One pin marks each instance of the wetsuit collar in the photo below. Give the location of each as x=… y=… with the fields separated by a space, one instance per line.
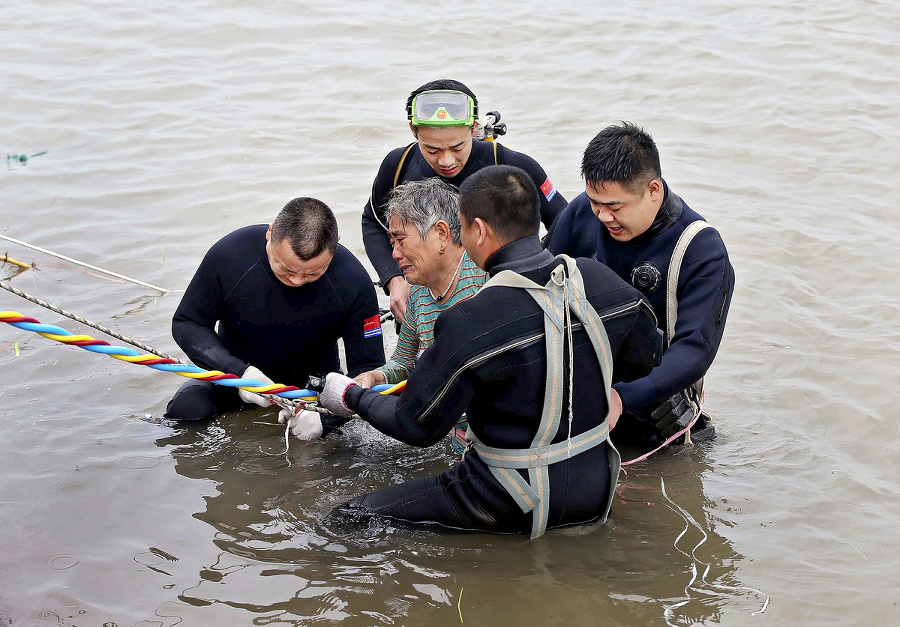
x=668 y=214
x=519 y=256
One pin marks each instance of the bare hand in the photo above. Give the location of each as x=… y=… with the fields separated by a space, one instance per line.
x=370 y=378
x=399 y=290
x=615 y=408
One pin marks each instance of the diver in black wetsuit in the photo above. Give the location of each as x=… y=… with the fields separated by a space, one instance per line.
x=443 y=118
x=641 y=221
x=492 y=358
x=270 y=303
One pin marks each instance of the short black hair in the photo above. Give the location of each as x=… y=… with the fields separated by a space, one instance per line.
x=504 y=197
x=441 y=83
x=622 y=153
x=309 y=225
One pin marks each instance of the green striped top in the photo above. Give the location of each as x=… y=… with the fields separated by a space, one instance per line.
x=417 y=331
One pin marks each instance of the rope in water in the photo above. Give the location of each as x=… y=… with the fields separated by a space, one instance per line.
x=697 y=578
x=77 y=318
x=281 y=395
x=278 y=393
x=165 y=364
x=82 y=263
x=5 y=258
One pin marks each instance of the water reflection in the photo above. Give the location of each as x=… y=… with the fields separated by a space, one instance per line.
x=283 y=559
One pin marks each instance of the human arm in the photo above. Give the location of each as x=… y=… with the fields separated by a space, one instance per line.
x=704 y=293
x=194 y=321
x=424 y=413
x=374 y=224
x=403 y=360
x=637 y=355
x=615 y=408
x=363 y=343
x=552 y=202
x=377 y=239
x=370 y=378
x=560 y=238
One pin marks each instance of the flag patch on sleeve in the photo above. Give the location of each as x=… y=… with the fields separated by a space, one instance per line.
x=372 y=326
x=548 y=190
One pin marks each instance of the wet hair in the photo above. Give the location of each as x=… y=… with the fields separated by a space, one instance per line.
x=504 y=197
x=441 y=83
x=424 y=203
x=621 y=153
x=309 y=225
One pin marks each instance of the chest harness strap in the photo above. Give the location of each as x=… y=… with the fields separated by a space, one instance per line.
x=678 y=414
x=681 y=246
x=561 y=297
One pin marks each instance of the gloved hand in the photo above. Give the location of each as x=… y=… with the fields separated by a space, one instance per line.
x=304 y=424
x=675 y=414
x=252 y=372
x=332 y=395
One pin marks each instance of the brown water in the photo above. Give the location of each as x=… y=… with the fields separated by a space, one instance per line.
x=169 y=124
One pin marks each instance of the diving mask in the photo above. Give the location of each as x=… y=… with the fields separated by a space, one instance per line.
x=442 y=107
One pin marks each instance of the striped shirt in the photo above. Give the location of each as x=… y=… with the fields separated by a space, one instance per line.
x=417 y=331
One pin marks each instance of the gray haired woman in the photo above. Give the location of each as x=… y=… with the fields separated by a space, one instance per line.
x=424 y=228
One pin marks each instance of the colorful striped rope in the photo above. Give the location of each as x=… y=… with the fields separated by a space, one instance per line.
x=190 y=371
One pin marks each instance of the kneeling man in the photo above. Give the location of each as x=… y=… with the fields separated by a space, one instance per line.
x=270 y=302
x=540 y=456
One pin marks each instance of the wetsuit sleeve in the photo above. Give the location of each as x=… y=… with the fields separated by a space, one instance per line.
x=641 y=349
x=704 y=294
x=362 y=353
x=559 y=237
x=374 y=228
x=552 y=202
x=194 y=322
x=428 y=407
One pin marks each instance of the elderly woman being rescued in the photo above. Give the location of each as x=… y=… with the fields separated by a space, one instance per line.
x=424 y=228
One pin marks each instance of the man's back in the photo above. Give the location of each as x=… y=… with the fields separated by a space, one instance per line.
x=489 y=358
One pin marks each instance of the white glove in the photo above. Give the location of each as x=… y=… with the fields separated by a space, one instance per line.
x=332 y=396
x=304 y=424
x=252 y=372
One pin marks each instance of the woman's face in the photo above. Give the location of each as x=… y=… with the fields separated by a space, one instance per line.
x=419 y=258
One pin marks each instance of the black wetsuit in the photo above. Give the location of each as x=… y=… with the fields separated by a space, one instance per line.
x=289 y=333
x=705 y=286
x=502 y=395
x=416 y=168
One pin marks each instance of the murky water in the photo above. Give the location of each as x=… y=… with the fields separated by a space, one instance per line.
x=168 y=124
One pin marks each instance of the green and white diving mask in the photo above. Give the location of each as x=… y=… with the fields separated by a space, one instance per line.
x=443 y=107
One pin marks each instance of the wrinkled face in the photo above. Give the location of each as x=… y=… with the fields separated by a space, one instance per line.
x=445 y=149
x=624 y=213
x=416 y=256
x=289 y=268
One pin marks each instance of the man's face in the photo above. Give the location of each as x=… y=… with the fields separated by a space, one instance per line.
x=625 y=214
x=289 y=268
x=445 y=149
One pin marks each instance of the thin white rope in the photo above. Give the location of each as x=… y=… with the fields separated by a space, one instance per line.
x=689 y=520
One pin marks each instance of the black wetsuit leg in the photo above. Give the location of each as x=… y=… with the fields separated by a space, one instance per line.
x=201 y=400
x=458 y=498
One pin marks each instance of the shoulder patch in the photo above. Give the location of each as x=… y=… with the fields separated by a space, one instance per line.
x=548 y=190
x=372 y=326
